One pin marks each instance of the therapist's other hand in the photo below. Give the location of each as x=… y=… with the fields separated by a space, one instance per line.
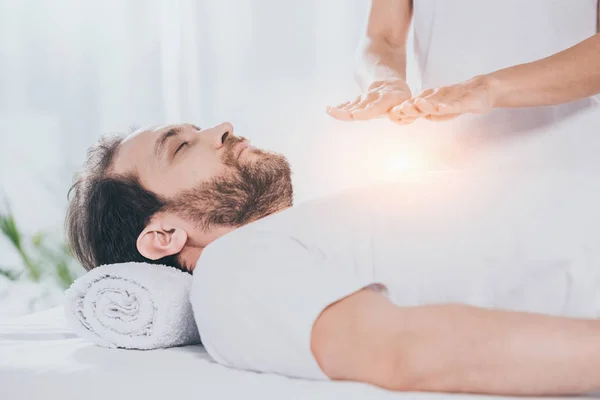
x=377 y=101
x=441 y=104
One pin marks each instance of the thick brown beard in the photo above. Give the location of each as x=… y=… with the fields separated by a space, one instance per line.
x=247 y=192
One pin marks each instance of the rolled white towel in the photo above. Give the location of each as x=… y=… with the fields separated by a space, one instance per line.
x=132 y=306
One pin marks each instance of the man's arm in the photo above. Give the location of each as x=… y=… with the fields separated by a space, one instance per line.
x=456 y=348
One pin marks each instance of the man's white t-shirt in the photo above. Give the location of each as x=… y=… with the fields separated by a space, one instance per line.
x=530 y=245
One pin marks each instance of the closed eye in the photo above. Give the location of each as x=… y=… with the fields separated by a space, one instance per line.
x=181 y=146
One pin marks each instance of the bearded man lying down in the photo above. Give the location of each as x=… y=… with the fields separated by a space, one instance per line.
x=457 y=284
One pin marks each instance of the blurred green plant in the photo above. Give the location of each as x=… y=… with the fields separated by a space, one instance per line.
x=39 y=255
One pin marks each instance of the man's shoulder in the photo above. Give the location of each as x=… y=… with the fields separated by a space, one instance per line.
x=326 y=216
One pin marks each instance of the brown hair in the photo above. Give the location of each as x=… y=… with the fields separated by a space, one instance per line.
x=107 y=212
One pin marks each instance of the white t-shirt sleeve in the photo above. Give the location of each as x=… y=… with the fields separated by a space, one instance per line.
x=256 y=296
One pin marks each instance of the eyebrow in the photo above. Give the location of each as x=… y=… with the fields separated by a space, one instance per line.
x=161 y=142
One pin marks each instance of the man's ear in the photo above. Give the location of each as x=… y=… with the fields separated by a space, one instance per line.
x=159 y=239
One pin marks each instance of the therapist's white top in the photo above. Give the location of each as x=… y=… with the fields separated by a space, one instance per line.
x=495 y=243
x=460 y=39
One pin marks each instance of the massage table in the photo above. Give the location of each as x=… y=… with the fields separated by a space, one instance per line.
x=41 y=359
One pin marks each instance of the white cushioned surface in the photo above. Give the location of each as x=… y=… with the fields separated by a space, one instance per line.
x=40 y=358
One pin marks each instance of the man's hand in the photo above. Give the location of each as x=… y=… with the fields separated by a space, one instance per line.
x=474 y=96
x=380 y=97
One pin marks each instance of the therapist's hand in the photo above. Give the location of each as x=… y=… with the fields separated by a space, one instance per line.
x=377 y=101
x=474 y=96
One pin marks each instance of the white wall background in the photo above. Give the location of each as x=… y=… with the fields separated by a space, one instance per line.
x=71 y=70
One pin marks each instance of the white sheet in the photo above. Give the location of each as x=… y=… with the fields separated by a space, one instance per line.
x=41 y=359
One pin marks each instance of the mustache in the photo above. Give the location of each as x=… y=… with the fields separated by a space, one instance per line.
x=228 y=157
x=230 y=142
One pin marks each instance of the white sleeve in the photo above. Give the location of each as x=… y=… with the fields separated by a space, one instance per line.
x=256 y=298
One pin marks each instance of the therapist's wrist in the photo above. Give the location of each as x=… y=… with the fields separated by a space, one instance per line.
x=480 y=94
x=389 y=83
x=494 y=88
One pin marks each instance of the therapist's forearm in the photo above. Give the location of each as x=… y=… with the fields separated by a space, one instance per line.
x=382 y=51
x=379 y=61
x=563 y=77
x=468 y=349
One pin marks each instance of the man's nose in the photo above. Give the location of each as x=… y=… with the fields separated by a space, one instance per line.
x=220 y=133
